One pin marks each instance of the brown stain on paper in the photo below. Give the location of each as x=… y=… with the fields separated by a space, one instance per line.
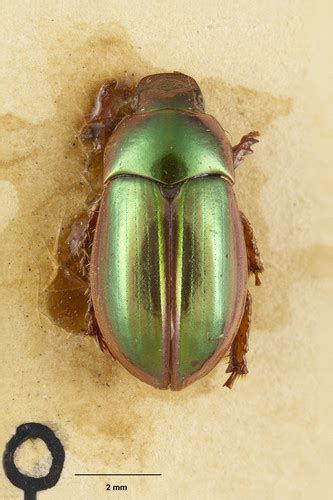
x=93 y=394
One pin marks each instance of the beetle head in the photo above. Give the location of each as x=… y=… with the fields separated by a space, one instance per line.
x=168 y=91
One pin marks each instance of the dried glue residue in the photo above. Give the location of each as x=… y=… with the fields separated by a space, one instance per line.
x=9 y=203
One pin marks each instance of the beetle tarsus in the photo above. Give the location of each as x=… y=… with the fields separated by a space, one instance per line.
x=255 y=263
x=231 y=380
x=237 y=362
x=244 y=147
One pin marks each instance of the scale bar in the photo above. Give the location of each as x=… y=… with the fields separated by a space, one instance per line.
x=119 y=474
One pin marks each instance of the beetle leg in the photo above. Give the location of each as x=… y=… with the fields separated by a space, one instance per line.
x=255 y=263
x=80 y=241
x=237 y=361
x=244 y=147
x=81 y=237
x=93 y=329
x=112 y=103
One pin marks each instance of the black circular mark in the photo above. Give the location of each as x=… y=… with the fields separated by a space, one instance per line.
x=27 y=483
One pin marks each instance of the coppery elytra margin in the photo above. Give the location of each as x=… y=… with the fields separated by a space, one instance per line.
x=165 y=248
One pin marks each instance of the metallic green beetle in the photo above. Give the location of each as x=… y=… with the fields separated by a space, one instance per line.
x=171 y=251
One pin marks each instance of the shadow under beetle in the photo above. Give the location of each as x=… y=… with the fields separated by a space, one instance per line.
x=165 y=248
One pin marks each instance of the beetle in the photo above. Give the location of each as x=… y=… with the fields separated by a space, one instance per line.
x=170 y=251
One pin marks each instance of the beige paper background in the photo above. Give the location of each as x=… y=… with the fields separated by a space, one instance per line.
x=261 y=65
